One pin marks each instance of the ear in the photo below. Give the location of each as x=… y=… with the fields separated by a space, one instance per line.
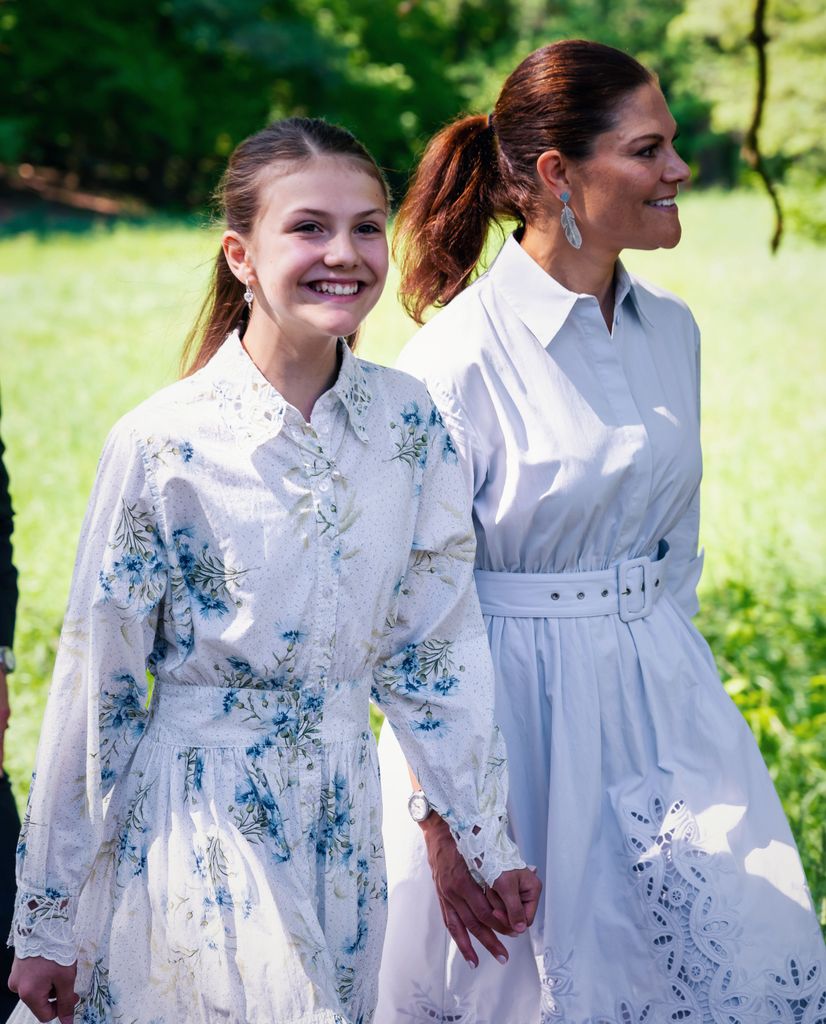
x=237 y=255
x=551 y=167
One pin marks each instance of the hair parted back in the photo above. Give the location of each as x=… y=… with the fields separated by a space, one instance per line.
x=479 y=169
x=292 y=140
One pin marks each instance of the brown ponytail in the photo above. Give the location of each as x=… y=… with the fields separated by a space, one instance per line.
x=292 y=140
x=479 y=170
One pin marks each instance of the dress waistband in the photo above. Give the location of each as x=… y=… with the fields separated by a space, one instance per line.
x=629 y=590
x=219 y=716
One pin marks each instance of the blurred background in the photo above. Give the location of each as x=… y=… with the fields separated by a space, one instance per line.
x=116 y=118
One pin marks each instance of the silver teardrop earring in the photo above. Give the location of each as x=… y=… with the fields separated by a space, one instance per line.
x=248 y=297
x=569 y=222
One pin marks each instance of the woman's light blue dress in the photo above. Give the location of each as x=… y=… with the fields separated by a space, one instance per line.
x=673 y=888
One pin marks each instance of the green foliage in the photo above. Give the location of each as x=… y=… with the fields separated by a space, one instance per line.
x=769 y=639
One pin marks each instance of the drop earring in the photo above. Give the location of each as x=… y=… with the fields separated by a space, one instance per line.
x=248 y=297
x=569 y=222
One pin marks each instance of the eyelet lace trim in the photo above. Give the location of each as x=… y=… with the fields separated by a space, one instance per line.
x=488 y=850
x=43 y=925
x=694 y=941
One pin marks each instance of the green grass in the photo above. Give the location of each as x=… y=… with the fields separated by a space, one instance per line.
x=94 y=321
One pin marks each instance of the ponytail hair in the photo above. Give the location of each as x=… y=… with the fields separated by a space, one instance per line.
x=293 y=140
x=479 y=170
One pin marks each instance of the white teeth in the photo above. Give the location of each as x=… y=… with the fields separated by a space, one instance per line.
x=661 y=202
x=328 y=288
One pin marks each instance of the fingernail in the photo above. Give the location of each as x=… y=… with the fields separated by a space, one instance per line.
x=472 y=964
x=521 y=927
x=502 y=958
x=532 y=867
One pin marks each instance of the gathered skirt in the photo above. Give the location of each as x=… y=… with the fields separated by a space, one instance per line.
x=242 y=876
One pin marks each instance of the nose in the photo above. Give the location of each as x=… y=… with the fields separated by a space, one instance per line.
x=341 y=252
x=676 y=170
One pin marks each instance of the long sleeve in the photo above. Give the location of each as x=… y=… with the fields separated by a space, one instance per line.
x=435 y=683
x=97 y=706
x=685 y=561
x=8 y=573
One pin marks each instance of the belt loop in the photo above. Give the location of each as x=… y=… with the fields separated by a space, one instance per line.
x=642 y=590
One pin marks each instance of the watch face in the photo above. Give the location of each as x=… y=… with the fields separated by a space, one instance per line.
x=7 y=659
x=419 y=806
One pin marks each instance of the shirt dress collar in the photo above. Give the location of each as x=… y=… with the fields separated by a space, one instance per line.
x=251 y=402
x=539 y=300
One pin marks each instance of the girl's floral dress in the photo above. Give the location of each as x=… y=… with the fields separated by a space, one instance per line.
x=204 y=827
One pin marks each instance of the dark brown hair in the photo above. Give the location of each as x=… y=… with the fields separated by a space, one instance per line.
x=238 y=197
x=479 y=169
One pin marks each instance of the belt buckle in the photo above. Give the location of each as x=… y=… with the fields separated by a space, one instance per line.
x=644 y=590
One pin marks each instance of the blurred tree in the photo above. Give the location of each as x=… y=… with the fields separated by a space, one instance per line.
x=721 y=67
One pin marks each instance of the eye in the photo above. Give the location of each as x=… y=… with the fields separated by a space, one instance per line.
x=307 y=227
x=369 y=229
x=649 y=151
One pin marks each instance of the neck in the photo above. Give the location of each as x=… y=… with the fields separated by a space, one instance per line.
x=584 y=271
x=300 y=369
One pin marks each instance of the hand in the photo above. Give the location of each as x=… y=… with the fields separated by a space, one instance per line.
x=466 y=908
x=45 y=987
x=5 y=713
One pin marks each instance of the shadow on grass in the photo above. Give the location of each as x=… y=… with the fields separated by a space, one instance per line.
x=769 y=640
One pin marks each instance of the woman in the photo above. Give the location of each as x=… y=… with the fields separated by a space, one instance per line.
x=673 y=889
x=273 y=538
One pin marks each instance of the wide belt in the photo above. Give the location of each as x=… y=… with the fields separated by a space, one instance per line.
x=629 y=590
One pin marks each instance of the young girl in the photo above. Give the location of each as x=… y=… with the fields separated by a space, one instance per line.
x=273 y=538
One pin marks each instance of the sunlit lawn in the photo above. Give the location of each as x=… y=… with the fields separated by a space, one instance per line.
x=93 y=322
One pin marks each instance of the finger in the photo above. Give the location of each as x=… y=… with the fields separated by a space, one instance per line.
x=488 y=909
x=507 y=886
x=38 y=1003
x=459 y=934
x=486 y=936
x=530 y=889
x=66 y=999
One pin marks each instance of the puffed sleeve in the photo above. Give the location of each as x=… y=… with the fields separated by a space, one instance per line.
x=435 y=681
x=97 y=707
x=685 y=561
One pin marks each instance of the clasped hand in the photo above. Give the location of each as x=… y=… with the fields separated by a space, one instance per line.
x=507 y=907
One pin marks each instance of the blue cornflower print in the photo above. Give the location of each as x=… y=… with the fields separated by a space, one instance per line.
x=445 y=685
x=293 y=636
x=411 y=415
x=186 y=451
x=210 y=604
x=449 y=453
x=228 y=701
x=428 y=724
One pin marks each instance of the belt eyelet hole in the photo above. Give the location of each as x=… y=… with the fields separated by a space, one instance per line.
x=554 y=596
x=656 y=583
x=580 y=596
x=605 y=593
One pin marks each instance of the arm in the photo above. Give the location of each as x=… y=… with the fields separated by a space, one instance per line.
x=435 y=683
x=685 y=562
x=96 y=711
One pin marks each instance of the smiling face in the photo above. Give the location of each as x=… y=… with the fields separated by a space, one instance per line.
x=624 y=194
x=318 y=251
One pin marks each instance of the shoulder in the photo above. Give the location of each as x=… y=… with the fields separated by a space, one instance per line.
x=173 y=409
x=457 y=339
x=663 y=309
x=389 y=385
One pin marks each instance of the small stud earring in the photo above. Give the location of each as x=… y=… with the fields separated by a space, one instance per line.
x=568 y=221
x=248 y=296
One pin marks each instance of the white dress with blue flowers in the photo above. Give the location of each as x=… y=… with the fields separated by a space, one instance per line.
x=208 y=846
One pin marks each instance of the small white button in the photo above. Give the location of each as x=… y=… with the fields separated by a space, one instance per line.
x=324 y=486
x=336 y=474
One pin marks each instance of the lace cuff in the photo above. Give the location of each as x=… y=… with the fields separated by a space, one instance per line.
x=42 y=925
x=488 y=850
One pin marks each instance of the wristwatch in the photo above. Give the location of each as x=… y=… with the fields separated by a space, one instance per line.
x=7 y=660
x=419 y=806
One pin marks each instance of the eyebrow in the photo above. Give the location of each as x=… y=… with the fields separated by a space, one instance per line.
x=654 y=135
x=305 y=212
